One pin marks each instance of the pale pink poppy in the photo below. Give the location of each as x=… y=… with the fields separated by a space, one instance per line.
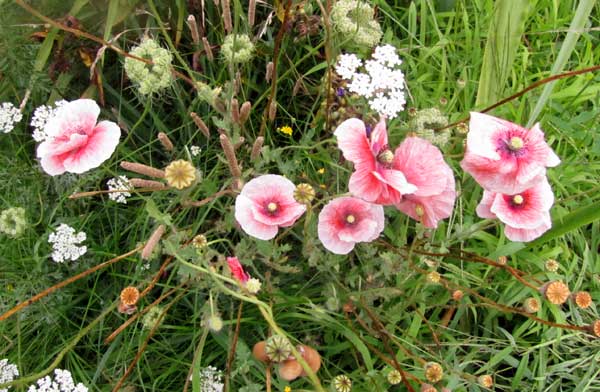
x=526 y=214
x=505 y=157
x=347 y=220
x=237 y=270
x=423 y=165
x=265 y=204
x=374 y=179
x=75 y=142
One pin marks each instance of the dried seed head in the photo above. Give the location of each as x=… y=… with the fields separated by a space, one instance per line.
x=434 y=277
x=180 y=174
x=278 y=349
x=485 y=381
x=583 y=299
x=251 y=12
x=227 y=16
x=142 y=169
x=199 y=241
x=304 y=193
x=457 y=295
x=556 y=292
x=165 y=141
x=531 y=305
x=433 y=372
x=502 y=260
x=394 y=377
x=130 y=295
x=552 y=265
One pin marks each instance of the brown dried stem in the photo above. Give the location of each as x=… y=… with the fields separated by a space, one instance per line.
x=66 y=282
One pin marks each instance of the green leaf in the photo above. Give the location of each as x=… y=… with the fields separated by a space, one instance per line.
x=580 y=217
x=504 y=39
x=154 y=213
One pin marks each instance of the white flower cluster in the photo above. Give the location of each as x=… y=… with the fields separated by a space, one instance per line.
x=382 y=84
x=195 y=150
x=8 y=372
x=40 y=118
x=119 y=183
x=62 y=382
x=64 y=243
x=211 y=380
x=9 y=116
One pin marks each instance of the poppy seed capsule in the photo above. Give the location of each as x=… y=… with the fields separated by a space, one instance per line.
x=583 y=299
x=531 y=305
x=595 y=328
x=433 y=372
x=278 y=349
x=485 y=381
x=556 y=292
x=130 y=295
x=290 y=370
x=427 y=388
x=259 y=351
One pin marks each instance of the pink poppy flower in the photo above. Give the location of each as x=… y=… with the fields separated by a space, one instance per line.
x=75 y=142
x=526 y=214
x=374 y=178
x=237 y=270
x=265 y=204
x=505 y=157
x=423 y=165
x=347 y=220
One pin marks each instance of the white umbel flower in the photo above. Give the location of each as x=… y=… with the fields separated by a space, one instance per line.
x=9 y=116
x=61 y=382
x=382 y=83
x=65 y=244
x=8 y=372
x=119 y=183
x=40 y=118
x=211 y=379
x=195 y=150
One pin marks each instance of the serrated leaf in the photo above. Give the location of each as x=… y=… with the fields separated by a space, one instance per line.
x=155 y=213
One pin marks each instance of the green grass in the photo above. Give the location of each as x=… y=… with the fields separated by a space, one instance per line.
x=443 y=52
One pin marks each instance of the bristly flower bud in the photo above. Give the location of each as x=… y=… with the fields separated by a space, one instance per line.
x=153 y=241
x=531 y=305
x=143 y=183
x=142 y=169
x=253 y=285
x=269 y=71
x=235 y=111
x=191 y=22
x=207 y=48
x=257 y=148
x=272 y=110
x=227 y=16
x=251 y=12
x=434 y=277
x=230 y=155
x=245 y=112
x=165 y=141
x=595 y=328
x=200 y=124
x=304 y=193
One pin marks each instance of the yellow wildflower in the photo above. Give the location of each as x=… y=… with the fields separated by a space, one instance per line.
x=286 y=130
x=321 y=170
x=287 y=389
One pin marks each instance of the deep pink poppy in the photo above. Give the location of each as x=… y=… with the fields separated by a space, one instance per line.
x=423 y=165
x=526 y=214
x=237 y=270
x=347 y=220
x=265 y=204
x=374 y=178
x=76 y=143
x=504 y=157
